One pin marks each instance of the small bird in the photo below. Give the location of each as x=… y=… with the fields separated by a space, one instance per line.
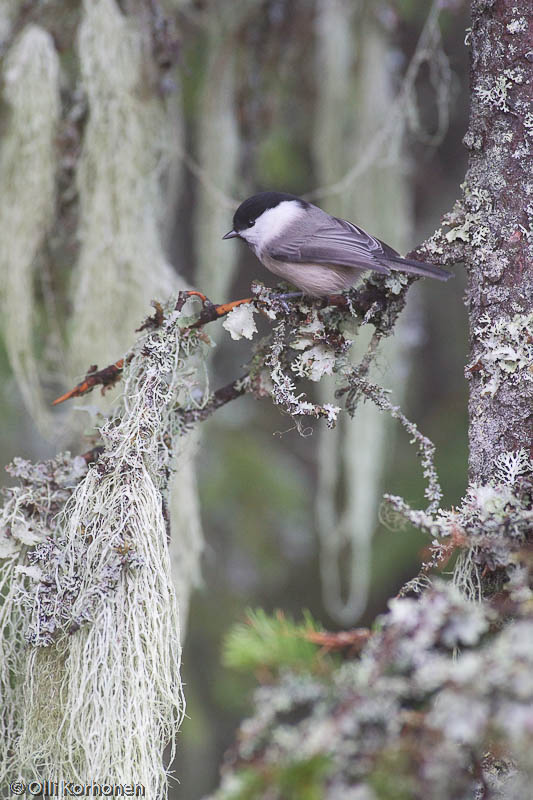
x=314 y=251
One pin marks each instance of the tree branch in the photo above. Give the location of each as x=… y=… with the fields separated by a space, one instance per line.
x=231 y=391
x=106 y=378
x=374 y=302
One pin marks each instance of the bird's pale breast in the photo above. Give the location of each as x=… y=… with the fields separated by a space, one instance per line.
x=316 y=280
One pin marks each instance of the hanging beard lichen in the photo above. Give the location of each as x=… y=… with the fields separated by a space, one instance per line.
x=218 y=145
x=27 y=177
x=186 y=534
x=27 y=518
x=367 y=146
x=352 y=456
x=131 y=144
x=127 y=146
x=100 y=697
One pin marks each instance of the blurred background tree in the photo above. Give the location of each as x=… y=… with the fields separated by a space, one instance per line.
x=129 y=132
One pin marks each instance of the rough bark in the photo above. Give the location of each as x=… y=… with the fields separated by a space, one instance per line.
x=498 y=208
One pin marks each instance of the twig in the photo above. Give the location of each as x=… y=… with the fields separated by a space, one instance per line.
x=106 y=378
x=156 y=320
x=91 y=456
x=357 y=385
x=352 y=640
x=371 y=302
x=211 y=312
x=220 y=398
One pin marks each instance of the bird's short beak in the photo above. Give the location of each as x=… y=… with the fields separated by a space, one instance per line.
x=230 y=235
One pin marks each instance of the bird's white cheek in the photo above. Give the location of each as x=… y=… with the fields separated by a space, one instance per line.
x=249 y=236
x=253 y=240
x=272 y=224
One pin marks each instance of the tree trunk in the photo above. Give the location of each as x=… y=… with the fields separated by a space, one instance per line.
x=499 y=218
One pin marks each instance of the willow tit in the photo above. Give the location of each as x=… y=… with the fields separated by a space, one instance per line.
x=318 y=253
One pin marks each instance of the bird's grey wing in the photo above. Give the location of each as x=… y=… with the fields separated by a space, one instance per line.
x=333 y=241
x=328 y=240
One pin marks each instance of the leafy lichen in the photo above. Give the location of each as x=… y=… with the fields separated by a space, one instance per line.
x=505 y=351
x=240 y=322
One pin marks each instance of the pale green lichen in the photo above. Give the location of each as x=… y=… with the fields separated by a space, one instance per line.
x=528 y=123
x=511 y=465
x=516 y=74
x=465 y=223
x=495 y=94
x=521 y=151
x=461 y=232
x=28 y=516
x=308 y=333
x=480 y=236
x=315 y=362
x=396 y=282
x=30 y=86
x=505 y=351
x=240 y=322
x=129 y=146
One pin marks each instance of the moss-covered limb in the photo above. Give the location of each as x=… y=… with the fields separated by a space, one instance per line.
x=438 y=690
x=498 y=242
x=379 y=300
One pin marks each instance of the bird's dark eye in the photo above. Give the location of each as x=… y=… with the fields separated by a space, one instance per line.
x=251 y=223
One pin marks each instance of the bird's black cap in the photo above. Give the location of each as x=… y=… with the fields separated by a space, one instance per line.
x=253 y=207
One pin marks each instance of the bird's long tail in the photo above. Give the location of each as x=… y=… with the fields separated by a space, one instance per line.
x=413 y=267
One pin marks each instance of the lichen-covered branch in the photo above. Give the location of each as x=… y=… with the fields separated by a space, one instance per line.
x=358 y=386
x=437 y=705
